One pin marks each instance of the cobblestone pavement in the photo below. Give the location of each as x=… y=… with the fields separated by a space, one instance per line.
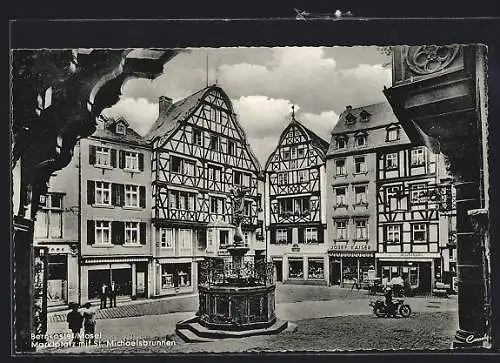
x=345 y=333
x=284 y=294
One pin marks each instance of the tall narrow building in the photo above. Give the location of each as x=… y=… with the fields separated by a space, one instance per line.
x=295 y=203
x=200 y=153
x=389 y=203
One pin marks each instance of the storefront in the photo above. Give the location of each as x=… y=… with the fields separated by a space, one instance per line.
x=175 y=276
x=303 y=269
x=131 y=279
x=419 y=271
x=348 y=267
x=62 y=275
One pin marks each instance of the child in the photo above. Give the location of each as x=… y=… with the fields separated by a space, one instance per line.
x=75 y=320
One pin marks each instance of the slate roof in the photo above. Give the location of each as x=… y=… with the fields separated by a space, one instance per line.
x=108 y=133
x=381 y=115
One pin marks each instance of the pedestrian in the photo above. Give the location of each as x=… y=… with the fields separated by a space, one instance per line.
x=397 y=285
x=75 y=319
x=104 y=295
x=89 y=315
x=388 y=302
x=355 y=283
x=112 y=291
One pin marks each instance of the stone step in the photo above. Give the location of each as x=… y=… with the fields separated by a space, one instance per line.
x=190 y=337
x=202 y=331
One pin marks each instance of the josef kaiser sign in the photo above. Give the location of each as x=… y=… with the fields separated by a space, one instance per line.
x=353 y=247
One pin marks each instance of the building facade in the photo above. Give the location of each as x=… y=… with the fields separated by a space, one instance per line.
x=295 y=206
x=115 y=182
x=386 y=203
x=56 y=227
x=200 y=154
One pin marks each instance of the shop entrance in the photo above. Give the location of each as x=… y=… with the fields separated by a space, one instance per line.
x=278 y=271
x=335 y=272
x=57 y=279
x=122 y=278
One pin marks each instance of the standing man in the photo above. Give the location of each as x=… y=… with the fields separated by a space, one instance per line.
x=113 y=290
x=89 y=315
x=104 y=295
x=75 y=320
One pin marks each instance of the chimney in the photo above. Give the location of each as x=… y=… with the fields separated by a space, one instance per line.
x=164 y=104
x=348 y=107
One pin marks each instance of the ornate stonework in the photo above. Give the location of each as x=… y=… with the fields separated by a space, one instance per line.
x=427 y=59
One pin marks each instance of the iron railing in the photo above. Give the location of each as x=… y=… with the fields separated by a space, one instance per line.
x=223 y=272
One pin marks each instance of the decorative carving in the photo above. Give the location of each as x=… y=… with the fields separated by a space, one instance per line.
x=427 y=59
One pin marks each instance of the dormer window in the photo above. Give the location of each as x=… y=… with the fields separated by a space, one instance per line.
x=392 y=133
x=350 y=119
x=360 y=140
x=341 y=142
x=121 y=129
x=364 y=116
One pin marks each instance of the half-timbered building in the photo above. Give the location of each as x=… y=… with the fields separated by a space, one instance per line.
x=389 y=203
x=295 y=200
x=200 y=153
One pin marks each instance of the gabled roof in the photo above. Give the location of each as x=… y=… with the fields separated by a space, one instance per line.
x=179 y=111
x=381 y=114
x=108 y=133
x=167 y=123
x=318 y=142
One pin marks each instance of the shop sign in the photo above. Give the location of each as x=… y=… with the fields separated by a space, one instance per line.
x=353 y=247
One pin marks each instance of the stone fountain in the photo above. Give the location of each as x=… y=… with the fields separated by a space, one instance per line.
x=236 y=297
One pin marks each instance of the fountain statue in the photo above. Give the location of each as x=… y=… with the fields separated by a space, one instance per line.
x=236 y=297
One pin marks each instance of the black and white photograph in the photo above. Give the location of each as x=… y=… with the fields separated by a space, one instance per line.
x=250 y=199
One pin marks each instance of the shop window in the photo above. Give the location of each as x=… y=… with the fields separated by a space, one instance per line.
x=316 y=269
x=296 y=269
x=350 y=269
x=175 y=275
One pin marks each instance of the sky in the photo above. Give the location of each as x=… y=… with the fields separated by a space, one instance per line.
x=263 y=84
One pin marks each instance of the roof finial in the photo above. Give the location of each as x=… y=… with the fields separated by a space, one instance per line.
x=293 y=112
x=206 y=70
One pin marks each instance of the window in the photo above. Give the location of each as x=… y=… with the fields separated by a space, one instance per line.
x=285 y=154
x=360 y=194
x=131 y=232
x=49 y=218
x=197 y=137
x=121 y=129
x=166 y=238
x=395 y=199
x=419 y=232
x=282 y=178
x=340 y=168
x=281 y=236
x=214 y=143
x=102 y=193
x=393 y=233
x=102 y=156
x=311 y=235
x=189 y=168
x=301 y=205
x=302 y=176
x=301 y=152
x=103 y=232
x=361 y=230
x=350 y=119
x=231 y=150
x=365 y=116
x=246 y=180
x=131 y=160
x=246 y=238
x=175 y=164
x=237 y=178
x=286 y=205
x=181 y=200
x=341 y=142
x=392 y=134
x=185 y=239
x=359 y=165
x=296 y=269
x=248 y=208
x=360 y=140
x=131 y=196
x=391 y=161
x=417 y=157
x=340 y=196
x=316 y=269
x=418 y=193
x=341 y=227
x=214 y=173
x=223 y=238
x=216 y=205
